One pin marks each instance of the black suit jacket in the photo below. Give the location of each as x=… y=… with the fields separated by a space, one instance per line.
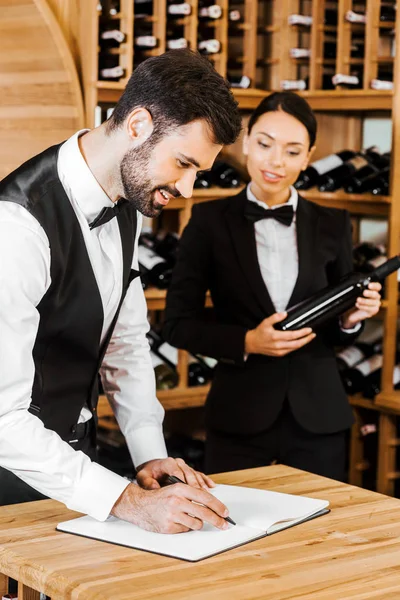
x=218 y=252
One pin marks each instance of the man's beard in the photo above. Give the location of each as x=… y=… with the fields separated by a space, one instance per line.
x=139 y=190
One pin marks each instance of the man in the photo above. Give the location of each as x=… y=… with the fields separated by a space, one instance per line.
x=71 y=302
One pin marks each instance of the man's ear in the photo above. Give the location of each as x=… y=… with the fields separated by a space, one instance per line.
x=139 y=124
x=246 y=144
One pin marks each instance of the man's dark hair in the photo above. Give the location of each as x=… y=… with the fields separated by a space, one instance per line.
x=293 y=105
x=177 y=88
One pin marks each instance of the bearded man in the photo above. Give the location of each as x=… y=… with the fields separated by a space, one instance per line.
x=71 y=302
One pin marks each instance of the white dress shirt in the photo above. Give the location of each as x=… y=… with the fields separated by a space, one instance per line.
x=27 y=448
x=278 y=255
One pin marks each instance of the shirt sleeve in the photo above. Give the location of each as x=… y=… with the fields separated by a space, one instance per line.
x=35 y=454
x=128 y=376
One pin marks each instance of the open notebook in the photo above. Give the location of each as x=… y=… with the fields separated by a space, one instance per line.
x=257 y=513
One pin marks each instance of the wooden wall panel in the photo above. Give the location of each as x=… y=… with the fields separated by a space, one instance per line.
x=40 y=97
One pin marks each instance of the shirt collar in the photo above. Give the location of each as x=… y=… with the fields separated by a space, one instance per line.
x=76 y=176
x=293 y=199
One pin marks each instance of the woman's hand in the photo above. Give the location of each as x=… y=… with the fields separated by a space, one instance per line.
x=264 y=339
x=366 y=306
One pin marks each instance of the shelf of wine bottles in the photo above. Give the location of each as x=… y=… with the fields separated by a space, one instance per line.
x=302 y=46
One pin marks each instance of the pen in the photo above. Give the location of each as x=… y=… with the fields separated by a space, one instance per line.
x=173 y=479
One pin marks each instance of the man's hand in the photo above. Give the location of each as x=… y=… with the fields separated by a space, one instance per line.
x=264 y=339
x=151 y=474
x=172 y=509
x=366 y=306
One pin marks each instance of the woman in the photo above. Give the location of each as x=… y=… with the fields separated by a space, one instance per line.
x=275 y=395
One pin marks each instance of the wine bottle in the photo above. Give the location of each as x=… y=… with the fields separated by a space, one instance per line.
x=179 y=10
x=155 y=269
x=379 y=84
x=210 y=12
x=146 y=41
x=198 y=373
x=166 y=378
x=365 y=252
x=167 y=245
x=112 y=36
x=239 y=81
x=354 y=379
x=372 y=383
x=355 y=17
x=110 y=8
x=363 y=348
x=352 y=81
x=356 y=182
x=177 y=44
x=225 y=176
x=211 y=46
x=381 y=183
x=300 y=52
x=388 y=13
x=203 y=180
x=116 y=72
x=235 y=16
x=297 y=85
x=335 y=179
x=303 y=20
x=333 y=301
x=312 y=174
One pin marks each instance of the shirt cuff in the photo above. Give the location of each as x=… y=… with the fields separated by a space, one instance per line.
x=98 y=491
x=146 y=443
x=352 y=330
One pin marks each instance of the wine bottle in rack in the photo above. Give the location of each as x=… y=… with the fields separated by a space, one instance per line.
x=143 y=9
x=166 y=375
x=335 y=179
x=313 y=173
x=388 y=13
x=350 y=81
x=154 y=269
x=365 y=178
x=112 y=37
x=365 y=252
x=354 y=379
x=177 y=43
x=302 y=20
x=355 y=17
x=379 y=185
x=295 y=85
x=109 y=68
x=179 y=10
x=145 y=42
x=380 y=84
x=239 y=81
x=372 y=383
x=209 y=11
x=166 y=245
x=224 y=175
x=363 y=348
x=235 y=16
x=211 y=46
x=333 y=301
x=110 y=8
x=300 y=52
x=330 y=17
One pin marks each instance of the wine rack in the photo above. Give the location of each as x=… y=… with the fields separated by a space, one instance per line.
x=257 y=40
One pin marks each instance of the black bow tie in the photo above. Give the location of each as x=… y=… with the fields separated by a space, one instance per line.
x=254 y=212
x=108 y=213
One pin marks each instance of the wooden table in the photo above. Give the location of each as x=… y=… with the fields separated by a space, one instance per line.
x=352 y=553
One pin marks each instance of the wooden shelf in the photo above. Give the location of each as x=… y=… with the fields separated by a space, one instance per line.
x=155 y=299
x=174 y=399
x=389 y=401
x=213 y=193
x=329 y=100
x=355 y=203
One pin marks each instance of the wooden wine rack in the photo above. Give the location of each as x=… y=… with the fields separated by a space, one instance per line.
x=258 y=47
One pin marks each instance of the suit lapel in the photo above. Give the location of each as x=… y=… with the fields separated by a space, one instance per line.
x=244 y=242
x=306 y=228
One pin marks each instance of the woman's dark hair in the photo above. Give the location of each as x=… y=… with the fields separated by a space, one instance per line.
x=292 y=104
x=177 y=88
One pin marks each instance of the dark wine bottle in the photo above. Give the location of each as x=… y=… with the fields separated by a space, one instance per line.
x=354 y=81
x=223 y=175
x=333 y=301
x=388 y=13
x=239 y=81
x=155 y=270
x=335 y=179
x=312 y=174
x=372 y=383
x=363 y=348
x=112 y=38
x=354 y=379
x=210 y=46
x=303 y=20
x=365 y=252
x=166 y=246
x=379 y=186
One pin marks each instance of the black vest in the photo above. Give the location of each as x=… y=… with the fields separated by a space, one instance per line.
x=67 y=351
